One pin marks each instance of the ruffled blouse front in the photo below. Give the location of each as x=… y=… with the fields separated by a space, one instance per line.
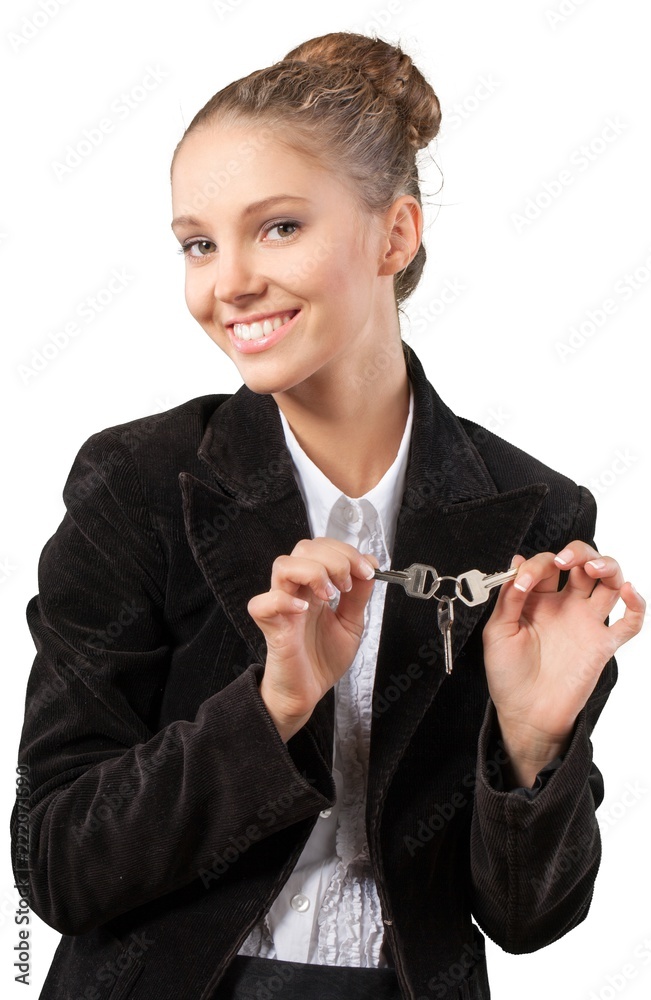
x=328 y=912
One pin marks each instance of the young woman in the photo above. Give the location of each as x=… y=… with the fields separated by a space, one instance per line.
x=253 y=768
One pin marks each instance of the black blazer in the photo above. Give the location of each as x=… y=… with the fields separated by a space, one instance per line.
x=165 y=811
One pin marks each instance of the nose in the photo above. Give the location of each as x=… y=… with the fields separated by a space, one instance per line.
x=236 y=276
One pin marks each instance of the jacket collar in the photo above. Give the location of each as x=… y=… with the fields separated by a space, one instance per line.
x=248 y=510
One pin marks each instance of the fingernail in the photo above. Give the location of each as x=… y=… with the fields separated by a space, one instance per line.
x=564 y=557
x=348 y=585
x=368 y=569
x=301 y=605
x=523 y=582
x=597 y=563
x=636 y=592
x=330 y=589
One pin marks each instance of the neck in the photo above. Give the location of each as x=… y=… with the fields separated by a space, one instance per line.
x=351 y=426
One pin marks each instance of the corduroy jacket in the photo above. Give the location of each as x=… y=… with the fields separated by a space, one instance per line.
x=165 y=811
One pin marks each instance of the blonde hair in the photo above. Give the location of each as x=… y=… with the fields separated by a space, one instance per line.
x=357 y=104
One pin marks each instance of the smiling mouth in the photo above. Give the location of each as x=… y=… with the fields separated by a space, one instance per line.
x=262 y=328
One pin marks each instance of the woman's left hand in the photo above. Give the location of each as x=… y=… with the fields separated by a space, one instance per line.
x=544 y=649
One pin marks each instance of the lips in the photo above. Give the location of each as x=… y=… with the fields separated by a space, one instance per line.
x=266 y=340
x=261 y=328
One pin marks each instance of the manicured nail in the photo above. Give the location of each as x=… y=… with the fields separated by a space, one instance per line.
x=597 y=563
x=564 y=557
x=368 y=569
x=301 y=605
x=348 y=585
x=523 y=582
x=330 y=589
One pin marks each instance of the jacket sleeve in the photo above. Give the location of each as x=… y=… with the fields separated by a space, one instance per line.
x=534 y=860
x=120 y=813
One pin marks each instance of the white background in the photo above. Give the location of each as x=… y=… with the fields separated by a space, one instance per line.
x=522 y=86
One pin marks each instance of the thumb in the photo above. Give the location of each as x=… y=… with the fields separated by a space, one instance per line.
x=510 y=601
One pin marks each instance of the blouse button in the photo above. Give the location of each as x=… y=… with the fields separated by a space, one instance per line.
x=300 y=903
x=325 y=813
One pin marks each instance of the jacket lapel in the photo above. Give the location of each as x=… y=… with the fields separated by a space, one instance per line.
x=454 y=518
x=248 y=510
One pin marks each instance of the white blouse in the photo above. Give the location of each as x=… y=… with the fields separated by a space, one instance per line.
x=328 y=912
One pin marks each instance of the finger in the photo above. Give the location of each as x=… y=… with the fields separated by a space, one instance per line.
x=575 y=553
x=631 y=622
x=290 y=573
x=352 y=603
x=507 y=611
x=607 y=570
x=266 y=608
x=340 y=559
x=539 y=573
x=330 y=570
x=583 y=573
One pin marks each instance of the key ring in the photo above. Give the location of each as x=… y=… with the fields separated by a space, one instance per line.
x=445 y=597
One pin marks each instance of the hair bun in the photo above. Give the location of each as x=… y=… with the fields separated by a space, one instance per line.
x=390 y=71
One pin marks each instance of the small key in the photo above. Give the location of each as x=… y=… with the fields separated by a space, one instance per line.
x=445 y=618
x=480 y=584
x=413 y=579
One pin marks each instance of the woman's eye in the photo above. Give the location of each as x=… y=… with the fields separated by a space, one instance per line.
x=283 y=225
x=201 y=245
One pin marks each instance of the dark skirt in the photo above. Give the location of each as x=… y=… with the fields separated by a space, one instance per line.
x=267 y=978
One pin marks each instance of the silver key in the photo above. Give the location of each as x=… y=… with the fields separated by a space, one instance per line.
x=445 y=618
x=480 y=584
x=413 y=579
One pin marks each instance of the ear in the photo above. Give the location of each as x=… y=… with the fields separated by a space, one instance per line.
x=404 y=230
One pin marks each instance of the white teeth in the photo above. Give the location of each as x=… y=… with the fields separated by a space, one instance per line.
x=253 y=331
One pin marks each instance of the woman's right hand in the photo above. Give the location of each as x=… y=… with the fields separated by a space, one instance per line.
x=309 y=649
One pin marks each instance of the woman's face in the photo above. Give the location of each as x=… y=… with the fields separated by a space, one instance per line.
x=302 y=255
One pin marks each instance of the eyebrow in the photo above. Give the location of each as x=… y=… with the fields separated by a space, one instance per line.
x=256 y=206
